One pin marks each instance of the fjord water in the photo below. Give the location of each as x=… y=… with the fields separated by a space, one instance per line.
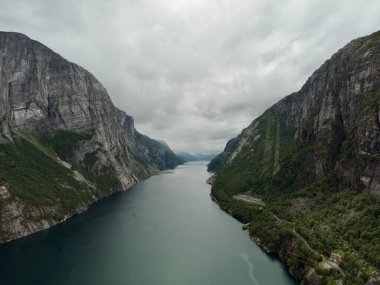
x=166 y=230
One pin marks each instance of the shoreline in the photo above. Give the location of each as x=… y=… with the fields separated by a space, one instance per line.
x=48 y=224
x=254 y=239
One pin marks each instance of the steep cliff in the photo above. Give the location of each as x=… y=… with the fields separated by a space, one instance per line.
x=145 y=149
x=313 y=158
x=62 y=146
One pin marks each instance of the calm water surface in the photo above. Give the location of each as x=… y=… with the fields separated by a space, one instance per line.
x=164 y=231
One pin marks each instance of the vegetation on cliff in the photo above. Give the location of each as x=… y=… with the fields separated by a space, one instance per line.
x=313 y=158
x=62 y=144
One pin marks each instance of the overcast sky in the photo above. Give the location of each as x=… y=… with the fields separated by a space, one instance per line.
x=194 y=72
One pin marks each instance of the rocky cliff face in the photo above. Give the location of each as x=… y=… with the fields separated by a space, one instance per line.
x=338 y=107
x=145 y=149
x=313 y=157
x=64 y=116
x=43 y=92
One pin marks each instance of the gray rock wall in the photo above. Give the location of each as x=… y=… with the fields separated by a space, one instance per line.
x=145 y=149
x=338 y=103
x=42 y=93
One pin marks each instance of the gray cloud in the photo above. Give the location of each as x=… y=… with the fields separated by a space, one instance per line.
x=194 y=73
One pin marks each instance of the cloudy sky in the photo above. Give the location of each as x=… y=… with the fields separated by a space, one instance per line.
x=194 y=72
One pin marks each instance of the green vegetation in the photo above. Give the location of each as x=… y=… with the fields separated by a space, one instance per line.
x=104 y=179
x=38 y=180
x=64 y=142
x=298 y=206
x=32 y=173
x=90 y=159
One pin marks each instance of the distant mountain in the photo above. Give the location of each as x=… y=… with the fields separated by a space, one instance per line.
x=146 y=150
x=185 y=156
x=63 y=144
x=306 y=173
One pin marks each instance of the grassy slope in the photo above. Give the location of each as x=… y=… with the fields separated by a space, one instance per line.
x=345 y=221
x=64 y=143
x=32 y=174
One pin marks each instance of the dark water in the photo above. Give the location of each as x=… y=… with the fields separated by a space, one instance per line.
x=165 y=230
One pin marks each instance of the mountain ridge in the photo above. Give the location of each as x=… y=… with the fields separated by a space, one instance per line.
x=60 y=134
x=310 y=157
x=155 y=152
x=185 y=156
